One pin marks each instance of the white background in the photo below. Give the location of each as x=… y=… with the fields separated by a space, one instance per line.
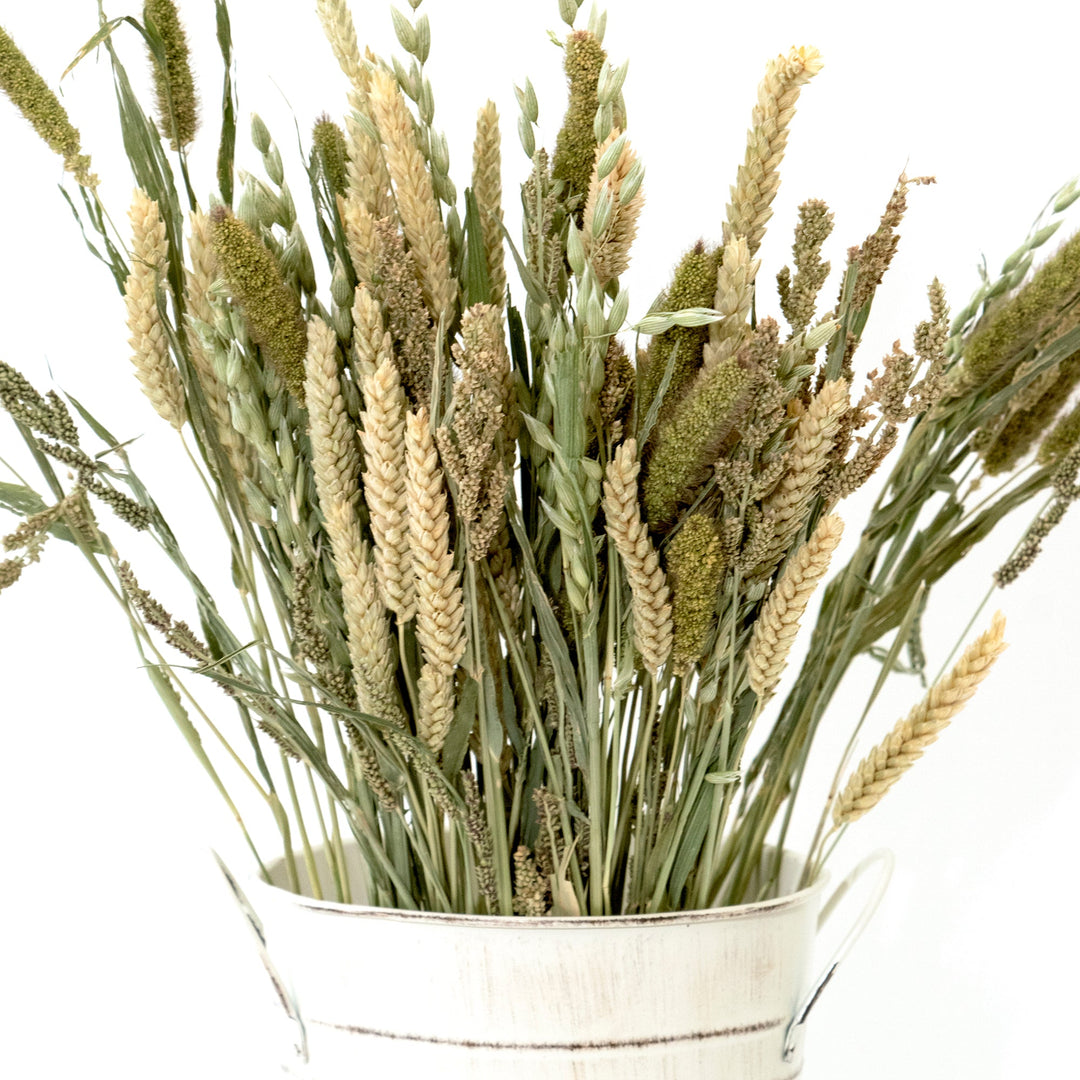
x=121 y=953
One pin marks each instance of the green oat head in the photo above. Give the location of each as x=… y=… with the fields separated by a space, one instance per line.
x=33 y=98
x=271 y=309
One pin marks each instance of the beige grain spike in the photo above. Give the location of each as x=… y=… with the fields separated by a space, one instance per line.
x=335 y=462
x=734 y=297
x=809 y=453
x=371 y=339
x=338 y=26
x=648 y=585
x=416 y=203
x=360 y=236
x=904 y=745
x=154 y=368
x=440 y=614
x=368 y=180
x=759 y=176
x=487 y=187
x=368 y=177
x=778 y=623
x=383 y=437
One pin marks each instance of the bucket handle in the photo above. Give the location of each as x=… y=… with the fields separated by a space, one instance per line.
x=288 y=1003
x=883 y=858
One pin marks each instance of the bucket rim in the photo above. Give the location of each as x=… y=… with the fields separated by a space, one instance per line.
x=786 y=902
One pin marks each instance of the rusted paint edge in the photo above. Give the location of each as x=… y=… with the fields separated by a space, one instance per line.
x=612 y=1044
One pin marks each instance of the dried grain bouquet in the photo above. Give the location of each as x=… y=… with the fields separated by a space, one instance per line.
x=521 y=579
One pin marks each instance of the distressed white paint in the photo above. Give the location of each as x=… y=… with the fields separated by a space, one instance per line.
x=680 y=996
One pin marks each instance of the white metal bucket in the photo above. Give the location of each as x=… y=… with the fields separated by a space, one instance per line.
x=698 y=995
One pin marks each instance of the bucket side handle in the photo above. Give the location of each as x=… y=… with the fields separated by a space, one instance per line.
x=884 y=861
x=288 y=1003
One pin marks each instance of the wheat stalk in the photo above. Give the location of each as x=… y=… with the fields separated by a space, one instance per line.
x=904 y=745
x=383 y=438
x=487 y=187
x=335 y=463
x=809 y=454
x=759 y=175
x=416 y=203
x=778 y=624
x=154 y=368
x=440 y=614
x=648 y=584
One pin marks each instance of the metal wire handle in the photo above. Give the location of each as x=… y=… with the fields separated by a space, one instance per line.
x=284 y=996
x=882 y=857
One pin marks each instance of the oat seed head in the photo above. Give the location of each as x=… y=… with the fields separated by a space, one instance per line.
x=608 y=248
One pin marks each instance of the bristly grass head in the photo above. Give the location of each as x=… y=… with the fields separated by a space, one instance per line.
x=178 y=107
x=33 y=98
x=270 y=307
